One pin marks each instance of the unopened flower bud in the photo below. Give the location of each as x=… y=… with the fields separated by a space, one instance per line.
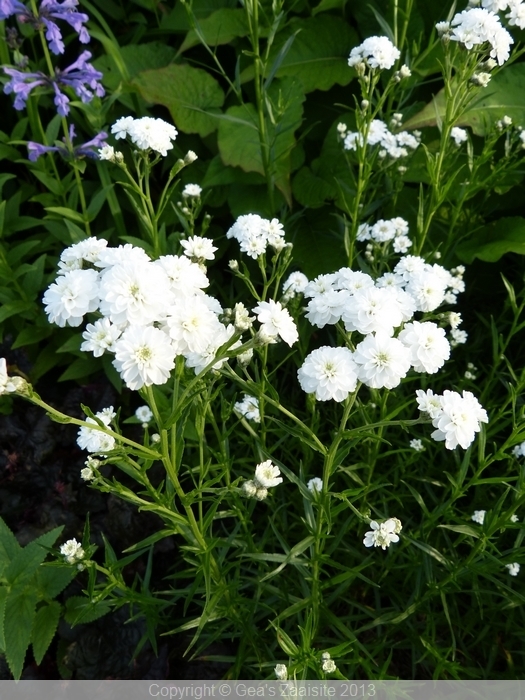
x=404 y=72
x=365 y=104
x=155 y=438
x=233 y=265
x=244 y=358
x=190 y=157
x=281 y=672
x=261 y=493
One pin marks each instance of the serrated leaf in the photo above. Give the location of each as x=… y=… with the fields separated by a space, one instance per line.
x=489 y=243
x=45 y=625
x=318 y=56
x=80 y=610
x=51 y=580
x=3 y=598
x=9 y=547
x=192 y=96
x=26 y=561
x=219 y=28
x=18 y=622
x=504 y=96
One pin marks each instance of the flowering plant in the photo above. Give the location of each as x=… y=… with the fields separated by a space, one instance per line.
x=304 y=433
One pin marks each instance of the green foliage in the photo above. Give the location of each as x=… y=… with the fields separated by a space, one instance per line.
x=28 y=613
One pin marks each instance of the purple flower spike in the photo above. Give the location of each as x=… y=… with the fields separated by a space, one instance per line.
x=83 y=78
x=11 y=7
x=88 y=149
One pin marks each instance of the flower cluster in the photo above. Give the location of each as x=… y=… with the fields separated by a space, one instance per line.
x=376 y=309
x=457 y=418
x=267 y=475
x=151 y=311
x=396 y=146
x=254 y=234
x=94 y=440
x=383 y=534
x=248 y=408
x=72 y=551
x=49 y=11
x=146 y=133
x=384 y=231
x=81 y=76
x=478 y=26
x=374 y=52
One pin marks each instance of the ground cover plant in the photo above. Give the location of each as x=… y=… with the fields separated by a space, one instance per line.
x=289 y=236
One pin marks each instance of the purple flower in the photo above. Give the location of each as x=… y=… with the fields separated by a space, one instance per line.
x=50 y=10
x=80 y=75
x=88 y=149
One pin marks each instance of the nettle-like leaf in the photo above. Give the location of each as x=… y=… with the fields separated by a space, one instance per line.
x=20 y=610
x=504 y=96
x=219 y=28
x=490 y=242
x=45 y=624
x=239 y=143
x=317 y=56
x=192 y=95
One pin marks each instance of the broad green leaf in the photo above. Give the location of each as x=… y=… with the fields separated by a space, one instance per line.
x=310 y=190
x=489 y=243
x=504 y=95
x=51 y=580
x=66 y=213
x=29 y=336
x=137 y=58
x=26 y=562
x=239 y=143
x=192 y=96
x=318 y=55
x=9 y=547
x=81 y=610
x=45 y=625
x=3 y=598
x=178 y=20
x=219 y=28
x=18 y=622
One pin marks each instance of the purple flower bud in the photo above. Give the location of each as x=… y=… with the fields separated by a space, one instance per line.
x=88 y=149
x=36 y=150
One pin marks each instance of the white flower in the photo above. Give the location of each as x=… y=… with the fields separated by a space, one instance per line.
x=382 y=534
x=144 y=414
x=459 y=135
x=99 y=337
x=193 y=326
x=248 y=408
x=251 y=231
x=71 y=296
x=514 y=518
x=200 y=360
x=267 y=475
x=135 y=293
x=275 y=234
x=72 y=551
x=281 y=672
x=428 y=345
x=513 y=568
x=121 y=254
x=382 y=361
x=315 y=485
x=87 y=474
x=148 y=132
x=427 y=287
x=321 y=285
x=186 y=278
x=478 y=516
x=328 y=372
x=327 y=308
x=241 y=318
x=8 y=384
x=478 y=26
x=459 y=419
x=401 y=244
x=454 y=319
x=121 y=127
x=144 y=356
x=93 y=439
x=200 y=248
x=88 y=250
x=516 y=16
x=352 y=280
x=107 y=152
x=376 y=51
x=459 y=337
x=519 y=450
x=329 y=666
x=276 y=321
x=295 y=284
x=192 y=191
x=428 y=402
x=417 y=445
x=373 y=310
